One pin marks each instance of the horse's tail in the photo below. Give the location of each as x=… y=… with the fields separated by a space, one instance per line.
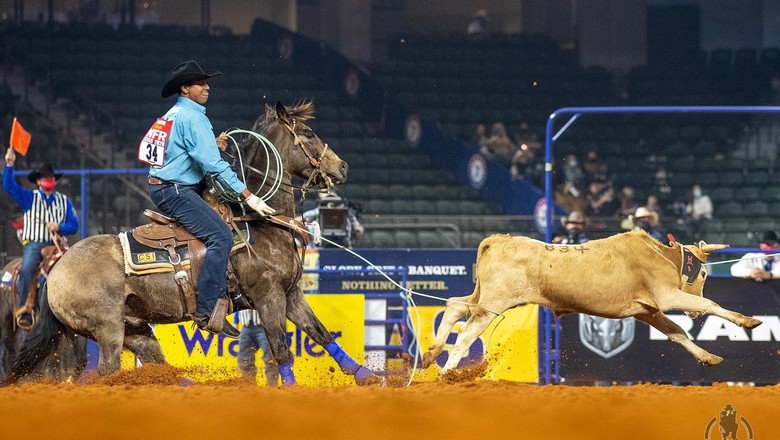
x=39 y=342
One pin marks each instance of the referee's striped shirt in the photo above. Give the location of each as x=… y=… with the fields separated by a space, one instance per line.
x=40 y=213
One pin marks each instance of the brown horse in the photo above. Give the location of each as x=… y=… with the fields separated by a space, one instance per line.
x=89 y=292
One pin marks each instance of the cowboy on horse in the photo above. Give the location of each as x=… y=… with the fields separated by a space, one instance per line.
x=181 y=149
x=47 y=215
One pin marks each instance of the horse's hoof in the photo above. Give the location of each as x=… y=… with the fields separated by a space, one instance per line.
x=711 y=360
x=752 y=323
x=427 y=359
x=366 y=377
x=184 y=382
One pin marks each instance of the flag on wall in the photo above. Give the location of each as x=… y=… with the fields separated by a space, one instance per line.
x=20 y=138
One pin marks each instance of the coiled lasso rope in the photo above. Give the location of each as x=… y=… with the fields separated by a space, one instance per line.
x=270 y=152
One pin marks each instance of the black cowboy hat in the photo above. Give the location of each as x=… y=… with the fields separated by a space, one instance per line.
x=769 y=237
x=183 y=74
x=46 y=170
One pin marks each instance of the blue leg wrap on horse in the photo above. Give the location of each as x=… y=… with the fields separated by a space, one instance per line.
x=286 y=372
x=346 y=363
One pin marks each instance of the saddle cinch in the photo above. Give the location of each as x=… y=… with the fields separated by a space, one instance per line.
x=165 y=246
x=49 y=256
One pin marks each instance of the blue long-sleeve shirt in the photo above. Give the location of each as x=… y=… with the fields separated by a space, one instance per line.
x=191 y=151
x=24 y=198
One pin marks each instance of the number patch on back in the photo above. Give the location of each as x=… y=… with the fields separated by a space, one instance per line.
x=151 y=150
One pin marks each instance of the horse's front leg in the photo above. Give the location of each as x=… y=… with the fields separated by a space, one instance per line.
x=300 y=313
x=272 y=316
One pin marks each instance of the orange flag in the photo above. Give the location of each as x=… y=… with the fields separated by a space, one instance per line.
x=20 y=138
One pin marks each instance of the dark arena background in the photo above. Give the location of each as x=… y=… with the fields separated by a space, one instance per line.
x=449 y=116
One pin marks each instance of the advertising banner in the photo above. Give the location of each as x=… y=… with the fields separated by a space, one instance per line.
x=510 y=343
x=213 y=357
x=601 y=350
x=441 y=273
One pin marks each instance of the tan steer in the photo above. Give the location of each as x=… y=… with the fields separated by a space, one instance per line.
x=629 y=274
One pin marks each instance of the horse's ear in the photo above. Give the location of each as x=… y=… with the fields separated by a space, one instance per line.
x=282 y=113
x=269 y=111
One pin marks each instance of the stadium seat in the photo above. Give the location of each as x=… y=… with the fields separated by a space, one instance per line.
x=379 y=238
x=756 y=209
x=722 y=194
x=757 y=178
x=429 y=239
x=405 y=239
x=728 y=210
x=747 y=194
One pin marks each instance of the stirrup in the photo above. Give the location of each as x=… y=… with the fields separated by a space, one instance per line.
x=18 y=315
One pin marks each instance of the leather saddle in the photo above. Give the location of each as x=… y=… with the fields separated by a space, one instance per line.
x=179 y=247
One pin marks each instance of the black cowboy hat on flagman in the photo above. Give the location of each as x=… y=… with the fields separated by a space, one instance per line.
x=46 y=170
x=183 y=74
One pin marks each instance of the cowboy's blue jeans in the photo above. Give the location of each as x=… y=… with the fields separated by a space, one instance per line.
x=31 y=258
x=185 y=204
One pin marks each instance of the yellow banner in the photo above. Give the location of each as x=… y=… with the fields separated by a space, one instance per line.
x=213 y=357
x=510 y=343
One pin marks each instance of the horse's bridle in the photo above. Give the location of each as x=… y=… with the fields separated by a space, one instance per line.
x=315 y=162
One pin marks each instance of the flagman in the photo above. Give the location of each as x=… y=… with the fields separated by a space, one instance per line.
x=46 y=212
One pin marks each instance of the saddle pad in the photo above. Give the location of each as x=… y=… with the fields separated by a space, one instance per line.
x=142 y=260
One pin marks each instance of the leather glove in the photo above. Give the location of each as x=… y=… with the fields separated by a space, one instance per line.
x=259 y=205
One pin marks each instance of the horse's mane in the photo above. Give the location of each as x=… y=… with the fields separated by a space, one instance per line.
x=301 y=112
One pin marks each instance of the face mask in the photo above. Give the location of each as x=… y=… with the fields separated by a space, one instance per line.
x=697 y=193
x=47 y=185
x=644 y=225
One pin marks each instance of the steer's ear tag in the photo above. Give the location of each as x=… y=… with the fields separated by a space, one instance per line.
x=671 y=238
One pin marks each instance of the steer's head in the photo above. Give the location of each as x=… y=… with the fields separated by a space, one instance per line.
x=693 y=272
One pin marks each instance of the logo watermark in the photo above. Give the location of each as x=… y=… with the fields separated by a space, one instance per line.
x=728 y=426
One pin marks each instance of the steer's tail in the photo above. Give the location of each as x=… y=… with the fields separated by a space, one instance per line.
x=39 y=342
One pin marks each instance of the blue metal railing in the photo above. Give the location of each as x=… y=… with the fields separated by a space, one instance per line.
x=550 y=347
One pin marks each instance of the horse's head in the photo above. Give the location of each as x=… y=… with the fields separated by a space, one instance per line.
x=303 y=152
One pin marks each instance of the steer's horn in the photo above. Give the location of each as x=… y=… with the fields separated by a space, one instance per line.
x=708 y=248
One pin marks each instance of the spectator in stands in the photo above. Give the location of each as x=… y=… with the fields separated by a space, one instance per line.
x=480 y=139
x=572 y=171
x=500 y=146
x=526 y=136
x=480 y=23
x=595 y=168
x=758 y=266
x=176 y=169
x=558 y=235
x=698 y=212
x=601 y=199
x=653 y=205
x=522 y=163
x=46 y=212
x=575 y=225
x=570 y=198
x=251 y=339
x=646 y=220
x=628 y=203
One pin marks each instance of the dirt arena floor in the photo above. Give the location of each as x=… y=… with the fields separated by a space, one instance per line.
x=156 y=403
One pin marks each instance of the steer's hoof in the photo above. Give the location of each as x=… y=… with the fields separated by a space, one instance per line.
x=752 y=323
x=366 y=377
x=710 y=360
